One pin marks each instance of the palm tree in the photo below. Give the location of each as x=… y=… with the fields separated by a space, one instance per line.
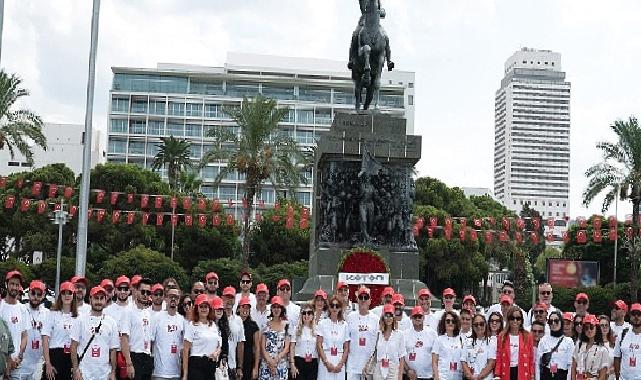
x=174 y=155
x=261 y=151
x=189 y=182
x=18 y=128
x=619 y=174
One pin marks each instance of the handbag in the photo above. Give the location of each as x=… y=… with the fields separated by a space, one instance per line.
x=547 y=356
x=368 y=370
x=221 y=371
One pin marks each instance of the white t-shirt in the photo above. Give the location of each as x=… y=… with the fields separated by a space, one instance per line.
x=616 y=330
x=431 y=320
x=37 y=318
x=168 y=342
x=84 y=309
x=205 y=339
x=514 y=350
x=450 y=352
x=362 y=331
x=629 y=350
x=237 y=334
x=590 y=360
x=405 y=323
x=95 y=363
x=260 y=317
x=293 y=315
x=391 y=350
x=58 y=327
x=17 y=319
x=137 y=325
x=334 y=335
x=418 y=349
x=476 y=356
x=562 y=357
x=305 y=343
x=117 y=312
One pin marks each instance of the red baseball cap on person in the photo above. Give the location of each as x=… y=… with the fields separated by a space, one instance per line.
x=12 y=274
x=202 y=298
x=635 y=307
x=97 y=289
x=363 y=290
x=387 y=291
x=35 y=284
x=135 y=280
x=157 y=287
x=388 y=309
x=244 y=301
x=276 y=300
x=621 y=305
x=211 y=275
x=341 y=285
x=582 y=296
x=229 y=291
x=320 y=293
x=122 y=280
x=424 y=292
x=107 y=283
x=77 y=279
x=262 y=288
x=416 y=310
x=67 y=286
x=284 y=282
x=591 y=319
x=541 y=305
x=398 y=299
x=567 y=316
x=449 y=292
x=506 y=299
x=469 y=298
x=216 y=302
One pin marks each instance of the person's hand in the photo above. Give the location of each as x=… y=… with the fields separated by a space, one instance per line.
x=330 y=367
x=411 y=374
x=214 y=356
x=112 y=375
x=239 y=373
x=272 y=363
x=131 y=372
x=77 y=375
x=184 y=377
x=254 y=373
x=51 y=371
x=338 y=367
x=294 y=370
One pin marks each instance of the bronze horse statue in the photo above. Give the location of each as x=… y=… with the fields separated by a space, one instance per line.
x=368 y=53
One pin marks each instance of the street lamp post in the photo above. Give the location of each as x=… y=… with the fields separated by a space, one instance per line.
x=616 y=241
x=59 y=217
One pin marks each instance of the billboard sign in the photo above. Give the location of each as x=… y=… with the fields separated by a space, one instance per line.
x=572 y=274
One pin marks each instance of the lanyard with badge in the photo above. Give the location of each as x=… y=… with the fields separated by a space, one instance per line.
x=35 y=343
x=453 y=363
x=587 y=369
x=333 y=349
x=66 y=325
x=411 y=355
x=309 y=344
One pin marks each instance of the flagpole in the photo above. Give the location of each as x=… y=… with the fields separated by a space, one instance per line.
x=1 y=25
x=83 y=220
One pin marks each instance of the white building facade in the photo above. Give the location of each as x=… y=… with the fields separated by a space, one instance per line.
x=532 y=135
x=186 y=101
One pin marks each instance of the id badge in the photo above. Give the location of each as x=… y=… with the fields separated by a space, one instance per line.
x=472 y=371
x=362 y=341
x=453 y=366
x=308 y=358
x=554 y=368
x=35 y=344
x=633 y=361
x=580 y=376
x=385 y=363
x=412 y=356
x=174 y=349
x=67 y=349
x=95 y=352
x=333 y=351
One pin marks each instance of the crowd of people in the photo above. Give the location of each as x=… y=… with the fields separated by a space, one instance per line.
x=134 y=329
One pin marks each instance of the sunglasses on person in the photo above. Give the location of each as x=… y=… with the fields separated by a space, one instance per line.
x=188 y=303
x=604 y=325
x=508 y=291
x=285 y=288
x=67 y=293
x=173 y=297
x=554 y=321
x=199 y=291
x=589 y=326
x=449 y=321
x=479 y=324
x=540 y=311
x=159 y=294
x=203 y=306
x=388 y=315
x=635 y=313
x=545 y=292
x=145 y=292
x=212 y=282
x=308 y=312
x=335 y=306
x=449 y=298
x=582 y=302
x=36 y=294
x=245 y=282
x=538 y=331
x=578 y=323
x=417 y=316
x=515 y=318
x=123 y=289
x=363 y=297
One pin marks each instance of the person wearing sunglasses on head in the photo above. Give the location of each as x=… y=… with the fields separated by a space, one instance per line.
x=627 y=352
x=167 y=334
x=202 y=341
x=303 y=355
x=514 y=349
x=545 y=296
x=619 y=324
x=245 y=289
x=362 y=326
x=419 y=341
x=554 y=353
x=136 y=334
x=56 y=334
x=590 y=358
x=332 y=343
x=32 y=363
x=480 y=354
x=447 y=351
x=581 y=304
x=210 y=286
x=390 y=349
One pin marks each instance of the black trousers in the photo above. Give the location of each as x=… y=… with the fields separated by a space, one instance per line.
x=306 y=370
x=514 y=373
x=61 y=362
x=561 y=374
x=405 y=377
x=143 y=366
x=200 y=368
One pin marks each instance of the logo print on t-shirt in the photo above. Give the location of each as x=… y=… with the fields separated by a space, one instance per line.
x=145 y=322
x=172 y=328
x=14 y=319
x=362 y=328
x=419 y=344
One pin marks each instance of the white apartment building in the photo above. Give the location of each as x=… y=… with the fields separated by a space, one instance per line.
x=187 y=101
x=532 y=135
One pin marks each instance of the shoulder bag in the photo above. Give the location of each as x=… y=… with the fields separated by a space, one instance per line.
x=368 y=370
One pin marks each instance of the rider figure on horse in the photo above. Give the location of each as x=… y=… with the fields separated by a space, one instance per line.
x=353 y=50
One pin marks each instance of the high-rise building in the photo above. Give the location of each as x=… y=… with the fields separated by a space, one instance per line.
x=186 y=101
x=532 y=135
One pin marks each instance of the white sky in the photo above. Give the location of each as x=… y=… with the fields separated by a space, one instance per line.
x=456 y=47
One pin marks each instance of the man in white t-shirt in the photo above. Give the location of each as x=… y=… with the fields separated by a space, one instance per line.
x=167 y=327
x=449 y=297
x=260 y=312
x=157 y=299
x=418 y=346
x=94 y=338
x=386 y=299
x=136 y=334
x=237 y=334
x=402 y=321
x=210 y=286
x=81 y=284
x=627 y=351
x=619 y=323
x=32 y=364
x=15 y=315
x=363 y=327
x=293 y=310
x=545 y=297
x=108 y=286
x=342 y=293
x=119 y=308
x=424 y=300
x=245 y=289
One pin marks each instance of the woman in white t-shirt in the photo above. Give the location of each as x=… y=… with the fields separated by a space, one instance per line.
x=390 y=347
x=448 y=348
x=303 y=356
x=202 y=342
x=56 y=333
x=561 y=347
x=332 y=343
x=609 y=340
x=479 y=356
x=590 y=359
x=320 y=305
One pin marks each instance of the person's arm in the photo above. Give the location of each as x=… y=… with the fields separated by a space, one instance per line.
x=573 y=370
x=401 y=368
x=49 y=370
x=240 y=356
x=114 y=364
x=617 y=367
x=186 y=349
x=487 y=371
x=343 y=360
x=435 y=366
x=257 y=344
x=292 y=354
x=321 y=353
x=467 y=373
x=124 y=348
x=603 y=373
x=282 y=355
x=74 y=359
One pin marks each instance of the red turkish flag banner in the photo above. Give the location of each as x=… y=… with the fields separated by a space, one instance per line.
x=230 y=203
x=173 y=203
x=42 y=206
x=24 y=204
x=549 y=237
x=158 y=201
x=596 y=222
x=19 y=182
x=36 y=188
x=10 y=201
x=536 y=224
x=160 y=218
x=144 y=201
x=447 y=233
x=145 y=218
x=189 y=220
x=430 y=232
x=612 y=221
x=100 y=215
x=550 y=223
x=261 y=203
x=462 y=222
x=596 y=236
x=566 y=237
x=202 y=204
x=186 y=203
x=304 y=224
x=583 y=223
x=503 y=236
x=115 y=217
x=230 y=219
x=131 y=217
x=448 y=223
x=518 y=236
x=473 y=235
x=53 y=190
x=304 y=213
x=275 y=218
x=89 y=213
x=628 y=219
x=415 y=230
x=216 y=206
x=130 y=198
x=3 y=182
x=68 y=192
x=433 y=221
x=202 y=220
x=628 y=232
x=290 y=211
x=461 y=234
x=57 y=207
x=478 y=223
x=534 y=237
x=245 y=203
x=113 y=198
x=612 y=234
x=174 y=219
x=216 y=220
x=505 y=222
x=100 y=196
x=73 y=210
x=488 y=236
x=581 y=237
x=520 y=224
x=277 y=205
x=289 y=223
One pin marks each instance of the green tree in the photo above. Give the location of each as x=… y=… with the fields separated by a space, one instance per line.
x=127 y=178
x=189 y=183
x=260 y=151
x=174 y=155
x=619 y=175
x=18 y=127
x=228 y=271
x=540 y=266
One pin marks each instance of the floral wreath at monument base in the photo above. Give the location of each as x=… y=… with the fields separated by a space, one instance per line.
x=364 y=260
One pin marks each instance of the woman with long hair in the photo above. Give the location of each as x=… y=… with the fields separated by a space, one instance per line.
x=495 y=323
x=447 y=351
x=578 y=327
x=222 y=322
x=390 y=349
x=332 y=342
x=186 y=307
x=480 y=354
x=559 y=346
x=515 y=349
x=201 y=345
x=274 y=343
x=608 y=342
x=320 y=305
x=252 y=338
x=590 y=359
x=56 y=334
x=303 y=356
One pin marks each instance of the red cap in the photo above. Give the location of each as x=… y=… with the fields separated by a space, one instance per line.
x=97 y=289
x=67 y=286
x=469 y=298
x=77 y=279
x=157 y=287
x=211 y=275
x=229 y=291
x=276 y=300
x=341 y=285
x=135 y=280
x=449 y=292
x=567 y=316
x=506 y=299
x=122 y=280
x=388 y=291
x=200 y=299
x=635 y=307
x=363 y=290
x=284 y=282
x=35 y=284
x=217 y=303
x=591 y=319
x=541 y=305
x=398 y=299
x=262 y=288
x=320 y=293
x=621 y=305
x=388 y=309
x=424 y=292
x=106 y=282
x=12 y=274
x=582 y=296
x=416 y=310
x=244 y=301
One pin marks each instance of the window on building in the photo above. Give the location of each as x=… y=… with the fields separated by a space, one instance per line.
x=193 y=109
x=515 y=201
x=156 y=128
x=304 y=116
x=213 y=110
x=206 y=88
x=314 y=94
x=176 y=130
x=137 y=127
x=139 y=106
x=195 y=151
x=153 y=149
x=226 y=192
x=119 y=104
x=535 y=203
x=26 y=165
x=323 y=116
x=563 y=204
x=13 y=163
x=410 y=100
x=305 y=137
x=210 y=173
x=207 y=191
x=136 y=147
x=304 y=198
x=278 y=92
x=557 y=213
x=267 y=195
x=242 y=89
x=176 y=109
x=157 y=107
x=193 y=130
x=343 y=97
x=118 y=126
x=117 y=146
x=410 y=85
